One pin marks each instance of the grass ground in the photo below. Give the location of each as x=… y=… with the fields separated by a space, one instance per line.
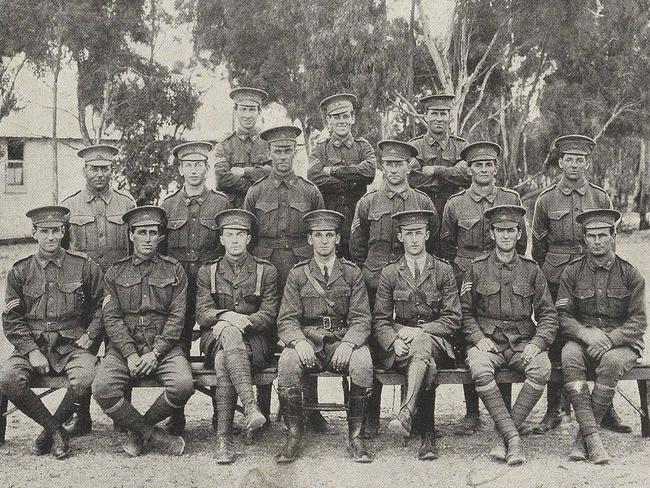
x=98 y=460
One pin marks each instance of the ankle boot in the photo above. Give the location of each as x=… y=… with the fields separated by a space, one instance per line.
x=471 y=422
x=611 y=421
x=291 y=400
x=177 y=422
x=60 y=444
x=159 y=410
x=552 y=417
x=43 y=443
x=225 y=401
x=356 y=412
x=581 y=401
x=315 y=420
x=80 y=423
x=579 y=450
x=427 y=427
x=493 y=401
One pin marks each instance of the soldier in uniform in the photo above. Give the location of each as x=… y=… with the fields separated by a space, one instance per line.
x=558 y=238
x=324 y=322
x=237 y=305
x=341 y=165
x=192 y=233
x=417 y=312
x=465 y=235
x=242 y=157
x=601 y=306
x=96 y=228
x=438 y=169
x=52 y=317
x=373 y=236
x=500 y=292
x=279 y=201
x=143 y=313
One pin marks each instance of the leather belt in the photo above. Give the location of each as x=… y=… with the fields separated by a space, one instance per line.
x=52 y=326
x=328 y=323
x=504 y=324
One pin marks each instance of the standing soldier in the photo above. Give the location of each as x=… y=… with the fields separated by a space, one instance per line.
x=558 y=238
x=499 y=294
x=465 y=235
x=601 y=305
x=438 y=169
x=373 y=236
x=237 y=306
x=241 y=157
x=325 y=322
x=341 y=165
x=192 y=233
x=417 y=312
x=52 y=317
x=143 y=313
x=96 y=228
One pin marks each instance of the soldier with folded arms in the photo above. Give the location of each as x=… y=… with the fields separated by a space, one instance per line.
x=52 y=317
x=237 y=305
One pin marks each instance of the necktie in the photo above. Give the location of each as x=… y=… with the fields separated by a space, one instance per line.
x=326 y=274
x=416 y=268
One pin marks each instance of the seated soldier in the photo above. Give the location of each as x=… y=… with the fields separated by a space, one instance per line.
x=417 y=311
x=144 y=313
x=236 y=307
x=500 y=292
x=601 y=307
x=324 y=321
x=52 y=317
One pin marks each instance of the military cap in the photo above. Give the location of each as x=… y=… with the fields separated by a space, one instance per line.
x=235 y=218
x=284 y=135
x=248 y=97
x=392 y=150
x=192 y=151
x=598 y=218
x=413 y=219
x=145 y=215
x=339 y=103
x=440 y=101
x=323 y=220
x=99 y=154
x=480 y=151
x=505 y=216
x=49 y=216
x=575 y=144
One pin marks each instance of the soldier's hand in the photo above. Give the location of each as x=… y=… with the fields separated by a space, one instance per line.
x=593 y=336
x=341 y=357
x=148 y=363
x=39 y=362
x=237 y=171
x=486 y=345
x=597 y=350
x=239 y=320
x=84 y=342
x=529 y=352
x=305 y=353
x=134 y=363
x=407 y=334
x=401 y=348
x=327 y=170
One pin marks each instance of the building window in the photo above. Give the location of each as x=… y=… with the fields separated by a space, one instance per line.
x=15 y=159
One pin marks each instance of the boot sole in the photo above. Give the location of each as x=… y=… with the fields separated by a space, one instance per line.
x=429 y=456
x=256 y=423
x=62 y=455
x=515 y=462
x=396 y=427
x=576 y=458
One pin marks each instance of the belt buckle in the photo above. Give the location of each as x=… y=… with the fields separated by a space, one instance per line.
x=420 y=322
x=327 y=323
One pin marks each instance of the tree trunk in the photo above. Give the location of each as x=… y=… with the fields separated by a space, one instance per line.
x=56 y=69
x=644 y=186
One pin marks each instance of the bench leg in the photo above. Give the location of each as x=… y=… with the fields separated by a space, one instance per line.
x=645 y=420
x=506 y=393
x=4 y=403
x=264 y=400
x=346 y=391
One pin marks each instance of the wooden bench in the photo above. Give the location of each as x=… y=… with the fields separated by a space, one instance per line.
x=205 y=380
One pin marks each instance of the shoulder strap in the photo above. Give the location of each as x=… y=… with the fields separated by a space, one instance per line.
x=317 y=286
x=258 y=280
x=213 y=277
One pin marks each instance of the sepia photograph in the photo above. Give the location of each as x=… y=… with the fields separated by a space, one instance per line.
x=324 y=243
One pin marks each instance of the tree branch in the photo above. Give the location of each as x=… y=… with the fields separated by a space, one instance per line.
x=441 y=65
x=619 y=108
x=479 y=99
x=402 y=104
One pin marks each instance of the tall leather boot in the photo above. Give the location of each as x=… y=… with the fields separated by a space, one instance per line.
x=427 y=425
x=33 y=407
x=239 y=369
x=416 y=371
x=581 y=401
x=471 y=422
x=43 y=443
x=80 y=423
x=315 y=420
x=611 y=421
x=226 y=398
x=528 y=397
x=177 y=421
x=493 y=401
x=128 y=396
x=552 y=417
x=356 y=412
x=370 y=427
x=291 y=400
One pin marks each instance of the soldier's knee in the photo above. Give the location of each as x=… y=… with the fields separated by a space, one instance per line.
x=421 y=346
x=360 y=367
x=539 y=369
x=182 y=389
x=231 y=336
x=611 y=367
x=480 y=367
x=103 y=390
x=13 y=382
x=289 y=368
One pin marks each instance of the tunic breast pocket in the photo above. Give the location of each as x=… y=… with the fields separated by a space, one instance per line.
x=488 y=299
x=341 y=296
x=559 y=223
x=209 y=232
x=34 y=308
x=252 y=300
x=618 y=301
x=299 y=207
x=402 y=303
x=381 y=226
x=523 y=296
x=71 y=298
x=267 y=213
x=585 y=301
x=469 y=232
x=83 y=233
x=434 y=300
x=175 y=229
x=161 y=292
x=129 y=293
x=312 y=303
x=117 y=231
